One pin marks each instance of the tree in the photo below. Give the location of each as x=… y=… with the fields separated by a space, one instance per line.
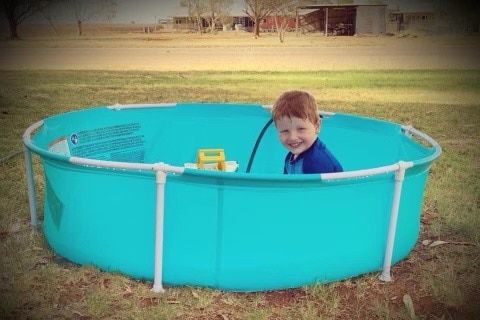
x=297 y=17
x=283 y=11
x=226 y=20
x=216 y=10
x=47 y=14
x=17 y=11
x=196 y=8
x=257 y=10
x=86 y=10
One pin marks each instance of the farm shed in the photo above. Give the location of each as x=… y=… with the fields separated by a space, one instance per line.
x=447 y=16
x=413 y=21
x=182 y=21
x=346 y=19
x=269 y=23
x=243 y=21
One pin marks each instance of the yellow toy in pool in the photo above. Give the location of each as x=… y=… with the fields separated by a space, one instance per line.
x=211 y=155
x=212 y=159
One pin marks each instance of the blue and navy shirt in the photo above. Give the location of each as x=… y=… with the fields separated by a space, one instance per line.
x=316 y=159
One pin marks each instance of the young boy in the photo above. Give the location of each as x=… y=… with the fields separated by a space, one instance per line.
x=295 y=114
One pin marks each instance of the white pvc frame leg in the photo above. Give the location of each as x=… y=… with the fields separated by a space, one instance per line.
x=397 y=192
x=31 y=188
x=160 y=170
x=161 y=178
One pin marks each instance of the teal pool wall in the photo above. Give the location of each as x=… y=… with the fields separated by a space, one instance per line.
x=237 y=231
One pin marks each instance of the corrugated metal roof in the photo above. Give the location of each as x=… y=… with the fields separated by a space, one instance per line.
x=410 y=6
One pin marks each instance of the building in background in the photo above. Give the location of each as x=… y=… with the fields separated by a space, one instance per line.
x=442 y=16
x=346 y=19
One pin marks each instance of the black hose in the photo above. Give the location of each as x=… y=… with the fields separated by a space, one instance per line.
x=255 y=147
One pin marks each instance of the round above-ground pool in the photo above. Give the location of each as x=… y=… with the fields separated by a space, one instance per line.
x=119 y=196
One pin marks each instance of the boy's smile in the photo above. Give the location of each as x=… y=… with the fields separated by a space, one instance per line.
x=296 y=134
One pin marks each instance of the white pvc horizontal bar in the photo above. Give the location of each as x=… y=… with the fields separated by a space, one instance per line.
x=420 y=134
x=168 y=168
x=367 y=172
x=140 y=106
x=127 y=165
x=28 y=133
x=326 y=113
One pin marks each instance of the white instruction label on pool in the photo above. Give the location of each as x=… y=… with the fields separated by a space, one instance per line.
x=124 y=142
x=59 y=146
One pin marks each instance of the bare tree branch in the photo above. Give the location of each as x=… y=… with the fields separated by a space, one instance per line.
x=216 y=10
x=17 y=11
x=196 y=8
x=257 y=10
x=86 y=10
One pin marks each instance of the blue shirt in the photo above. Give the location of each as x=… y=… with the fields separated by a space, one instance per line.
x=316 y=159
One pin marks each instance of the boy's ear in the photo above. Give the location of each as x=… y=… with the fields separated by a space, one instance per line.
x=317 y=126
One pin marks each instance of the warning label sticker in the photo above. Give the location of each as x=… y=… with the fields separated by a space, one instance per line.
x=123 y=142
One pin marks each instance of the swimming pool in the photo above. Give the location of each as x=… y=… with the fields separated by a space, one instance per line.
x=119 y=196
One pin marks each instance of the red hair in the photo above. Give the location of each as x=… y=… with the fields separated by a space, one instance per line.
x=296 y=104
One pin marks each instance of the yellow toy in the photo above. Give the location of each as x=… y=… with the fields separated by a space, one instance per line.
x=211 y=155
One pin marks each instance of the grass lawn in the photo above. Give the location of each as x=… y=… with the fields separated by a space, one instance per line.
x=443 y=281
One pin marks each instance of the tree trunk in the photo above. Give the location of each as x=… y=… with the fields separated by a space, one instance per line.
x=13 y=29
x=281 y=35
x=256 y=28
x=79 y=27
x=199 y=24
x=281 y=27
x=296 y=22
x=52 y=25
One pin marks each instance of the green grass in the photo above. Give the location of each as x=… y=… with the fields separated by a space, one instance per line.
x=443 y=281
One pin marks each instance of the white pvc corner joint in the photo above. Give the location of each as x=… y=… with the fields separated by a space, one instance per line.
x=402 y=166
x=408 y=130
x=160 y=175
x=161 y=166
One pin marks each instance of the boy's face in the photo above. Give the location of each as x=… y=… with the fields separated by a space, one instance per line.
x=296 y=134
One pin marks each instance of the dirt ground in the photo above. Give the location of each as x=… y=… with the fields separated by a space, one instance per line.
x=233 y=51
